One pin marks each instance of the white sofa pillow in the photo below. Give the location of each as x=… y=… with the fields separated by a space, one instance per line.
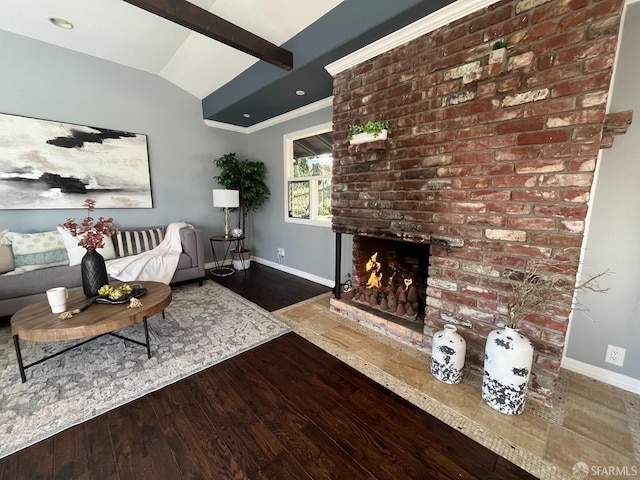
x=75 y=252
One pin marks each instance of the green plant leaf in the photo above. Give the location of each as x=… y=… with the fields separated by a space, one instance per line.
x=373 y=127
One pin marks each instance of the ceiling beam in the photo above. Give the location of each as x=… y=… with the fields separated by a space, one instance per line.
x=206 y=23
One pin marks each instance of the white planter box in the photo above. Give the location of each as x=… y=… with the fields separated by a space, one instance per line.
x=498 y=56
x=368 y=137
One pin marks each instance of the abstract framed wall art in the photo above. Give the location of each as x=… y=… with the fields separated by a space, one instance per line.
x=49 y=164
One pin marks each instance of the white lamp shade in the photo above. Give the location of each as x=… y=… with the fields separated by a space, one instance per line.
x=226 y=198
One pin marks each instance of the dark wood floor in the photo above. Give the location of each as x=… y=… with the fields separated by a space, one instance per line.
x=284 y=410
x=270 y=288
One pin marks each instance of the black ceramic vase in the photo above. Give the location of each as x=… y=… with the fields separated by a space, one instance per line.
x=94 y=273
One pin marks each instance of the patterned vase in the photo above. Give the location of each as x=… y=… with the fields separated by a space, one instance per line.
x=447 y=355
x=508 y=356
x=94 y=273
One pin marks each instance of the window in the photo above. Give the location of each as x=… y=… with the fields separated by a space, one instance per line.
x=308 y=157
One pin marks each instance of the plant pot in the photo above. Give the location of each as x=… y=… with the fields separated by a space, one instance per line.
x=447 y=355
x=498 y=56
x=508 y=357
x=241 y=260
x=368 y=137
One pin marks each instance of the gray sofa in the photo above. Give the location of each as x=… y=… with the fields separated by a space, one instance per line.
x=17 y=291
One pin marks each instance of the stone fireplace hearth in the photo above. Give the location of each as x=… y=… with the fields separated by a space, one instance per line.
x=490 y=165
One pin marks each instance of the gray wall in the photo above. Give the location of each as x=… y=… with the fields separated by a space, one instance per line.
x=43 y=81
x=613 y=231
x=308 y=249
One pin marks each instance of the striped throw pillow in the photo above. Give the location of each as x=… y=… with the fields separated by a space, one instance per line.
x=132 y=242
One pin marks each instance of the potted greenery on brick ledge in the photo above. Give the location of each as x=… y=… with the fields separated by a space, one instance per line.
x=368 y=132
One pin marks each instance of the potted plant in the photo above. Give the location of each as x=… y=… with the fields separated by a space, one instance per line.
x=248 y=178
x=508 y=353
x=369 y=131
x=91 y=237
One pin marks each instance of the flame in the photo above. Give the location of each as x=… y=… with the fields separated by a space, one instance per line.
x=407 y=283
x=373 y=266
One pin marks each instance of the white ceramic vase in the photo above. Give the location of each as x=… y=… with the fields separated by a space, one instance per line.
x=447 y=355
x=508 y=356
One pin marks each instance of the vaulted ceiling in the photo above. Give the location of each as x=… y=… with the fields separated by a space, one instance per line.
x=235 y=87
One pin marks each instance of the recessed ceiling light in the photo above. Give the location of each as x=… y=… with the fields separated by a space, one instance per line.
x=61 y=22
x=246 y=115
x=300 y=92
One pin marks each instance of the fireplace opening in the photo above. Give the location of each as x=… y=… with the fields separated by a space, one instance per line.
x=390 y=277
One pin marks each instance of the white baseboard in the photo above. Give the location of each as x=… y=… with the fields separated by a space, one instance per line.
x=298 y=273
x=605 y=376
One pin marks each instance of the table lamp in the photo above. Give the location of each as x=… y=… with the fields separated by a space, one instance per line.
x=226 y=199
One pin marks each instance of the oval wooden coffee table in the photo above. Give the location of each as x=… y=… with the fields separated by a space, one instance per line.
x=37 y=323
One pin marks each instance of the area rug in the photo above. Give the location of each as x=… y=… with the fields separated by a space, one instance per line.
x=202 y=327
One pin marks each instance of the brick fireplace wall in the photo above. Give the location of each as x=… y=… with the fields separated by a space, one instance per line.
x=491 y=164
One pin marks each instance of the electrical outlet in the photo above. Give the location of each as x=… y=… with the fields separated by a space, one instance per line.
x=615 y=355
x=280 y=252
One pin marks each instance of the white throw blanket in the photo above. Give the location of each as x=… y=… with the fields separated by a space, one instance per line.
x=157 y=265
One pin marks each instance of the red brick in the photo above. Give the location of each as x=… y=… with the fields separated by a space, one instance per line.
x=501 y=115
x=554 y=75
x=541 y=166
x=587 y=164
x=493 y=170
x=514 y=181
x=577 y=195
x=564 y=211
x=516 y=153
x=557 y=240
x=486 y=220
x=556 y=9
x=473 y=158
x=505 y=28
x=490 y=18
x=539 y=195
x=510 y=208
x=510 y=84
x=546 y=61
x=487 y=89
x=490 y=195
x=591 y=115
x=589 y=133
x=581 y=85
x=532 y=223
x=446 y=35
x=525 y=125
x=547 y=107
x=477 y=131
x=569 y=150
x=558 y=42
x=528 y=251
x=471 y=182
x=551 y=364
x=547 y=136
x=603 y=62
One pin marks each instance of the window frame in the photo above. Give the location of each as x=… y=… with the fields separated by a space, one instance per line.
x=288 y=140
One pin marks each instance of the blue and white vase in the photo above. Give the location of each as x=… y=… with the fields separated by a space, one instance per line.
x=447 y=355
x=508 y=356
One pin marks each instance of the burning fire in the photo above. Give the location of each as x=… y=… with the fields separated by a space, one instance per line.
x=407 y=283
x=373 y=267
x=399 y=298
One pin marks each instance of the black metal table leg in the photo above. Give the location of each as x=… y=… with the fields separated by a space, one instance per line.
x=146 y=336
x=16 y=343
